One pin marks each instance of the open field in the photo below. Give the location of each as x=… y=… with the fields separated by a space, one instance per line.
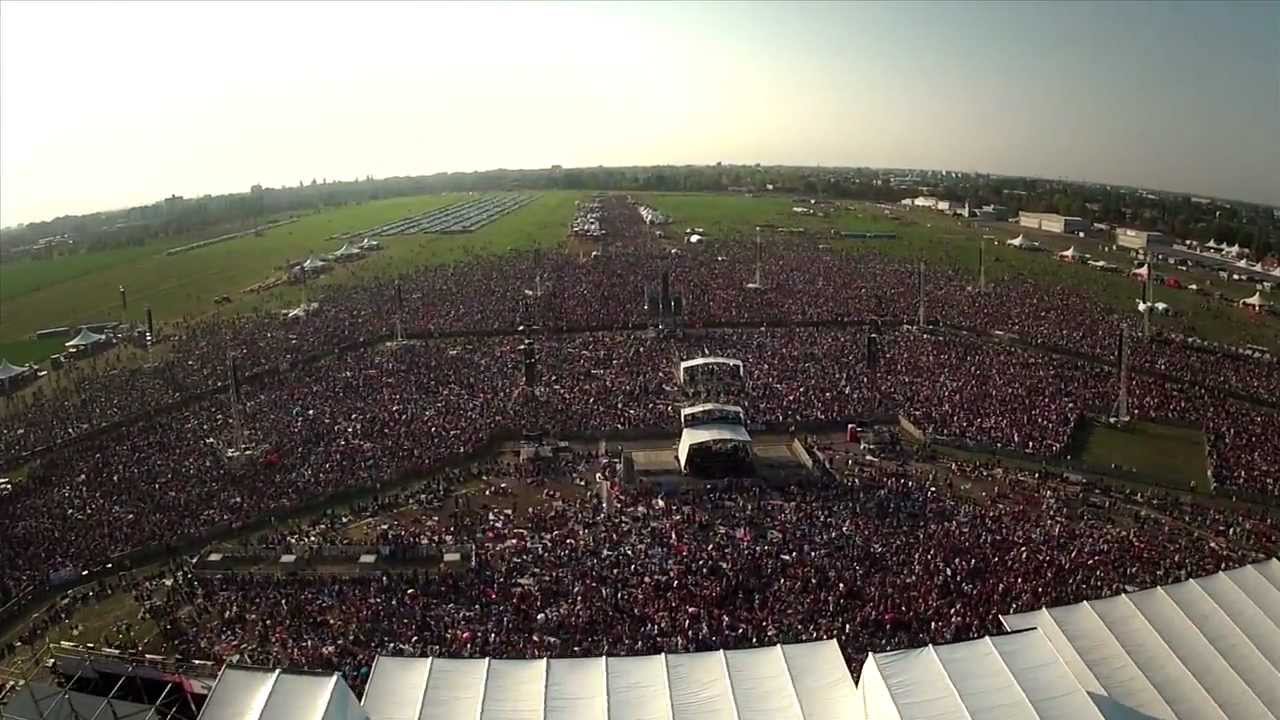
x=185 y=285
x=1170 y=456
x=21 y=352
x=937 y=238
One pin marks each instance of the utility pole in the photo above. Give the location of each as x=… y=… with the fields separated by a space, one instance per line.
x=1148 y=293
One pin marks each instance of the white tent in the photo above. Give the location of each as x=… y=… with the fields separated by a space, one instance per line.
x=702 y=434
x=1009 y=677
x=1071 y=255
x=1141 y=272
x=243 y=693
x=1204 y=648
x=9 y=371
x=347 y=252
x=697 y=362
x=314 y=265
x=806 y=681
x=369 y=244
x=695 y=239
x=714 y=409
x=1254 y=301
x=86 y=338
x=1022 y=242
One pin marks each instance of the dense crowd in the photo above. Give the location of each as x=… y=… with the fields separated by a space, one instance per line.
x=372 y=415
x=889 y=556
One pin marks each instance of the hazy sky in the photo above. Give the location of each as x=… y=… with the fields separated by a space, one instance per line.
x=107 y=105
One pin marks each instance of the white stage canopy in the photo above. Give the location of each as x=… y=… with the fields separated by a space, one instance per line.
x=85 y=338
x=1009 y=677
x=714 y=410
x=807 y=681
x=1204 y=648
x=697 y=362
x=720 y=432
x=1255 y=300
x=243 y=693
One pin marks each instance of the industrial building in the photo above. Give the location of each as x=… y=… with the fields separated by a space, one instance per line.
x=1139 y=239
x=1053 y=222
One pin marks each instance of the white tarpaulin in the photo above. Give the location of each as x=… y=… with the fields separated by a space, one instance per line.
x=9 y=370
x=1255 y=300
x=807 y=681
x=1204 y=648
x=694 y=436
x=697 y=362
x=242 y=693
x=1009 y=677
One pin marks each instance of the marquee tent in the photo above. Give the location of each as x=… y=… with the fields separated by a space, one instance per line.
x=347 y=252
x=314 y=265
x=806 y=681
x=698 y=362
x=9 y=371
x=243 y=693
x=1009 y=677
x=86 y=338
x=717 y=410
x=1070 y=255
x=702 y=434
x=369 y=244
x=1204 y=648
x=1022 y=242
x=1254 y=301
x=1141 y=272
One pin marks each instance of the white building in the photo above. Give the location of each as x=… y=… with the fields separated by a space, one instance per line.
x=1053 y=222
x=1139 y=239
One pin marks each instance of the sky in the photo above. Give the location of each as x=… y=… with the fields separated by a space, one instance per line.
x=108 y=105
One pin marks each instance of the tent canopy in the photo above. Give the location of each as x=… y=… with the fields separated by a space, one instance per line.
x=85 y=338
x=313 y=264
x=806 y=681
x=1009 y=677
x=243 y=693
x=709 y=360
x=702 y=434
x=1255 y=300
x=1204 y=648
x=9 y=370
x=347 y=250
x=1071 y=254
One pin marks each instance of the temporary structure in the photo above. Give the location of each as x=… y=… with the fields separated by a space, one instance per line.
x=1022 y=243
x=243 y=693
x=1070 y=255
x=1254 y=301
x=347 y=252
x=1141 y=272
x=312 y=265
x=1008 y=677
x=9 y=371
x=369 y=244
x=1204 y=648
x=86 y=338
x=805 y=681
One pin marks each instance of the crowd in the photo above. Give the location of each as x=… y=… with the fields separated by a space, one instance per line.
x=890 y=556
x=369 y=416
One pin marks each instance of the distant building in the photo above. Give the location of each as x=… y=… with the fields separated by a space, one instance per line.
x=925 y=201
x=1053 y=222
x=1139 y=239
x=993 y=212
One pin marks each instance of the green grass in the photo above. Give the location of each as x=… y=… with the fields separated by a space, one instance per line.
x=184 y=285
x=943 y=240
x=20 y=352
x=1160 y=454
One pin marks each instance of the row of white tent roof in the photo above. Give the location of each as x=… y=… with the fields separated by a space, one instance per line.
x=1204 y=649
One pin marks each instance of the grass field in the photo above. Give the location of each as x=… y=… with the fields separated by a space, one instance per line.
x=937 y=238
x=20 y=352
x=1170 y=456
x=185 y=285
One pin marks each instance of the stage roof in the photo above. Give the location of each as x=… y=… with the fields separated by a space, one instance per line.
x=807 y=681
x=712 y=407
x=38 y=701
x=1204 y=648
x=710 y=360
x=715 y=432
